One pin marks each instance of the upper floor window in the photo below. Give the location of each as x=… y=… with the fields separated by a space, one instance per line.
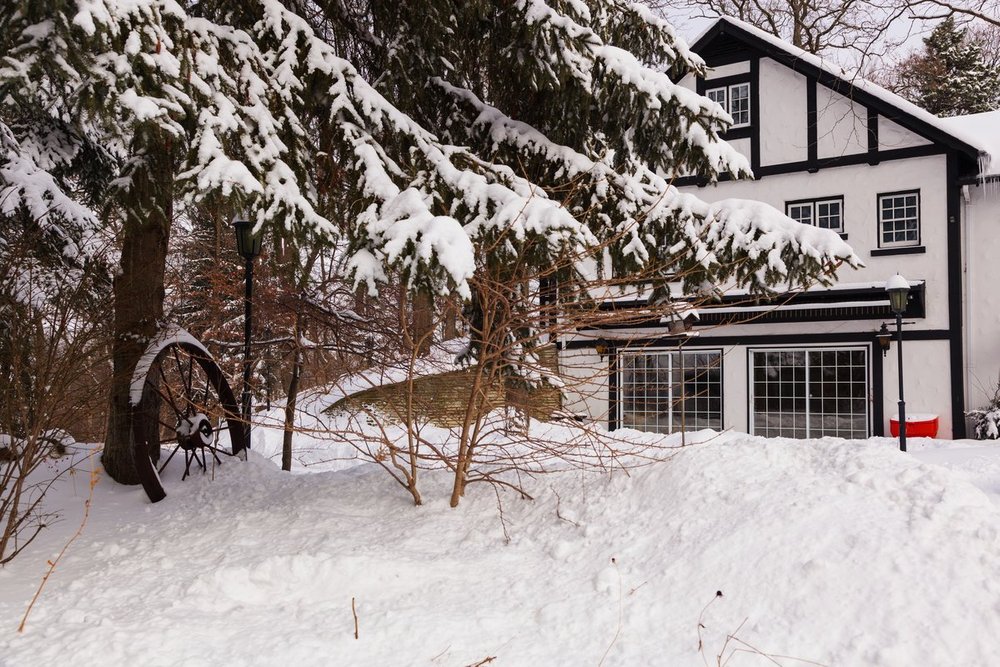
x=899 y=219
x=827 y=213
x=735 y=99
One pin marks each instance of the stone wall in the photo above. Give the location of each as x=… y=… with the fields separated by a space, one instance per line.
x=443 y=399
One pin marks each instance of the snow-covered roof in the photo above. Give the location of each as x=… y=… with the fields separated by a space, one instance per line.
x=964 y=129
x=985 y=127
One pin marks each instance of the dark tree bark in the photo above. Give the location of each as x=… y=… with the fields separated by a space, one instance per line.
x=139 y=295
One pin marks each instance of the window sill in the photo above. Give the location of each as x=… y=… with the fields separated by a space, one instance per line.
x=906 y=250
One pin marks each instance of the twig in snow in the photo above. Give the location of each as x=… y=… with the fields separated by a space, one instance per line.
x=484 y=661
x=558 y=513
x=355 y=612
x=503 y=522
x=79 y=531
x=618 y=630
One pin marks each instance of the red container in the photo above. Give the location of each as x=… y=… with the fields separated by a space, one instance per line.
x=917 y=426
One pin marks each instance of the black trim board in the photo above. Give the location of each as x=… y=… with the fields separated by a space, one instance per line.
x=825 y=163
x=878 y=389
x=812 y=126
x=754 y=114
x=957 y=356
x=762 y=339
x=872 y=137
x=614 y=397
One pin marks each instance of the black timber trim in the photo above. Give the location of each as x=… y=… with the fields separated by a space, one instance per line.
x=812 y=126
x=955 y=323
x=826 y=163
x=765 y=339
x=872 y=137
x=754 y=114
x=826 y=302
x=903 y=250
x=614 y=395
x=878 y=389
x=842 y=86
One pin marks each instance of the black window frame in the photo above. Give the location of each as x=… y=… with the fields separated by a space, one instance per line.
x=727 y=84
x=892 y=245
x=814 y=217
x=707 y=407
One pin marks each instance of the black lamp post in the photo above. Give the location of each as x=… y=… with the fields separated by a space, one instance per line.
x=248 y=245
x=899 y=289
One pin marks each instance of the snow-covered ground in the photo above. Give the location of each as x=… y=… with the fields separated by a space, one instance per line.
x=825 y=551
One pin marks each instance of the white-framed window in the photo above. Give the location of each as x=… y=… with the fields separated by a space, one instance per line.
x=827 y=213
x=735 y=99
x=809 y=392
x=899 y=219
x=670 y=390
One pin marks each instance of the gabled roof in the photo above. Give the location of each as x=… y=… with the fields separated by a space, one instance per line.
x=954 y=135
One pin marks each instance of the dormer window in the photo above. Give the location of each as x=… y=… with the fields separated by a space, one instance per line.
x=735 y=99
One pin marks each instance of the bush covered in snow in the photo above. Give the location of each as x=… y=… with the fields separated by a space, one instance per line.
x=986 y=421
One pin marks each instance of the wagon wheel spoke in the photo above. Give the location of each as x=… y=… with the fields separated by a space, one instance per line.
x=170 y=394
x=162 y=467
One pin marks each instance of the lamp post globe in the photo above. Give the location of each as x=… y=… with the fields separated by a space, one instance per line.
x=898 y=289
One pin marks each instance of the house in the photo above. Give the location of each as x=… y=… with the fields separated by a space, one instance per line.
x=912 y=193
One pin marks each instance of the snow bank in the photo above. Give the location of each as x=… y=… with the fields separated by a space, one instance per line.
x=838 y=552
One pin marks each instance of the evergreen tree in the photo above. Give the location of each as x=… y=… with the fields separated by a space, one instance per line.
x=951 y=76
x=460 y=139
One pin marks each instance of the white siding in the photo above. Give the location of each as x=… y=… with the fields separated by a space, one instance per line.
x=783 y=114
x=841 y=124
x=891 y=135
x=733 y=69
x=982 y=291
x=586 y=377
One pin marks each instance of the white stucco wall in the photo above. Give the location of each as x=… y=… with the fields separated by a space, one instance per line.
x=784 y=133
x=891 y=135
x=732 y=69
x=841 y=124
x=860 y=186
x=981 y=214
x=586 y=376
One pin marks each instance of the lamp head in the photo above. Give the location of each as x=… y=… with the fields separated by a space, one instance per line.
x=247 y=243
x=898 y=289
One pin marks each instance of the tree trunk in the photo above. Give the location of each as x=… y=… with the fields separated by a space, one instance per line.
x=293 y=393
x=423 y=322
x=139 y=294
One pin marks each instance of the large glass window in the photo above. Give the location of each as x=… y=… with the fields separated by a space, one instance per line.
x=809 y=393
x=671 y=390
x=899 y=219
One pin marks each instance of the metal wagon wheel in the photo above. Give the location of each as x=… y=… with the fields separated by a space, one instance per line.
x=180 y=397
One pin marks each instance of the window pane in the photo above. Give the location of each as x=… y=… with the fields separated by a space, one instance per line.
x=677 y=390
x=718 y=95
x=812 y=393
x=899 y=219
x=801 y=213
x=739 y=104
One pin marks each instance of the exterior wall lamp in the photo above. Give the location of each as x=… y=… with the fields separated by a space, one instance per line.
x=248 y=244
x=884 y=339
x=898 y=289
